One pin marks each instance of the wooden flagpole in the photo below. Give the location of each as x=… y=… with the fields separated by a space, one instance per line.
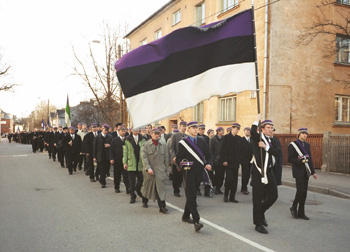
x=257 y=86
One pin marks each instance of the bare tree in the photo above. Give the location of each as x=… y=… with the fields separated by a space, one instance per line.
x=41 y=112
x=4 y=70
x=327 y=29
x=88 y=112
x=102 y=80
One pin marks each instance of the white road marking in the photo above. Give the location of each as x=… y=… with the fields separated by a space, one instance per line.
x=222 y=229
x=14 y=156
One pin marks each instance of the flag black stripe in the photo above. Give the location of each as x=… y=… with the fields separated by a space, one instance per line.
x=186 y=64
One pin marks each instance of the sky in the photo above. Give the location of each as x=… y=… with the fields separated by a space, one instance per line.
x=36 y=39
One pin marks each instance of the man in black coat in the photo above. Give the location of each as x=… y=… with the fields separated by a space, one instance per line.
x=193 y=149
x=59 y=145
x=102 y=143
x=88 y=146
x=168 y=136
x=215 y=147
x=263 y=180
x=34 y=138
x=246 y=157
x=299 y=155
x=116 y=159
x=52 y=145
x=230 y=154
x=72 y=144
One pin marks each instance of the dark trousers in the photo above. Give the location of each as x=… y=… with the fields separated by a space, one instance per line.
x=231 y=182
x=219 y=175
x=263 y=195
x=135 y=182
x=177 y=179
x=49 y=150
x=191 y=203
x=90 y=166
x=118 y=171
x=246 y=167
x=81 y=160
x=60 y=156
x=72 y=162
x=53 y=151
x=104 y=167
x=300 y=196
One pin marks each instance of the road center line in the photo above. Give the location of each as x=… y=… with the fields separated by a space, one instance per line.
x=222 y=229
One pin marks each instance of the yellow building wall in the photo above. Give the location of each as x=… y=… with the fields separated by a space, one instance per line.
x=300 y=87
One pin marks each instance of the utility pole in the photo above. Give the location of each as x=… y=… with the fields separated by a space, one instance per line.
x=121 y=102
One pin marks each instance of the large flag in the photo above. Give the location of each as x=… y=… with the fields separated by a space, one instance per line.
x=67 y=114
x=187 y=66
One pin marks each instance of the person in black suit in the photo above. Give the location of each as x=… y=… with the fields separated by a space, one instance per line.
x=263 y=180
x=59 y=145
x=102 y=142
x=246 y=157
x=52 y=143
x=193 y=176
x=34 y=138
x=116 y=159
x=215 y=147
x=230 y=154
x=72 y=143
x=88 y=145
x=302 y=168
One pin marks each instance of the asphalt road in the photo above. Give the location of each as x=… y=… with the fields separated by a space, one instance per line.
x=42 y=208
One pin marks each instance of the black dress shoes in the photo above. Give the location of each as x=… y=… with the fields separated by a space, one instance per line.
x=304 y=217
x=132 y=201
x=163 y=210
x=188 y=220
x=261 y=229
x=71 y=173
x=92 y=180
x=225 y=198
x=197 y=226
x=177 y=195
x=245 y=192
x=234 y=200
x=293 y=211
x=117 y=190
x=144 y=205
x=103 y=186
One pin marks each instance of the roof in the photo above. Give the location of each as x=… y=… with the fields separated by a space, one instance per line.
x=149 y=18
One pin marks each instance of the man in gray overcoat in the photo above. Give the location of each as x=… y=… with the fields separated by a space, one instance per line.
x=155 y=160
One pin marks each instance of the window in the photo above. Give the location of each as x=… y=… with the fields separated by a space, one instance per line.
x=176 y=17
x=200 y=14
x=158 y=34
x=228 y=5
x=143 y=42
x=347 y=2
x=228 y=109
x=342 y=108
x=198 y=112
x=343 y=49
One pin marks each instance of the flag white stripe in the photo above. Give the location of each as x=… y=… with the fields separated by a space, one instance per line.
x=215 y=82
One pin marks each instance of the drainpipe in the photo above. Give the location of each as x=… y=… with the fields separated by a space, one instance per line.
x=265 y=56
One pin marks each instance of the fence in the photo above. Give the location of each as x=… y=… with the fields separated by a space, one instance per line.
x=336 y=153
x=315 y=141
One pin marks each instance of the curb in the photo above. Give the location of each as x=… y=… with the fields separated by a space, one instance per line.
x=320 y=189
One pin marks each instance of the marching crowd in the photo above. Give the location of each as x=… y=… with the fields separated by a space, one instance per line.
x=188 y=155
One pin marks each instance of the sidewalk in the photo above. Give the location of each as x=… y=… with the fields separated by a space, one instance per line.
x=334 y=184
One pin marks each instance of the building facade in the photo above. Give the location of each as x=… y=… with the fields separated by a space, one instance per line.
x=299 y=86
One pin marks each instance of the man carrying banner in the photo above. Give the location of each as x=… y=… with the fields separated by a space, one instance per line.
x=193 y=156
x=263 y=181
x=299 y=155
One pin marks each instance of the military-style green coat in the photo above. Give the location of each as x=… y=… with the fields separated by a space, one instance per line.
x=157 y=159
